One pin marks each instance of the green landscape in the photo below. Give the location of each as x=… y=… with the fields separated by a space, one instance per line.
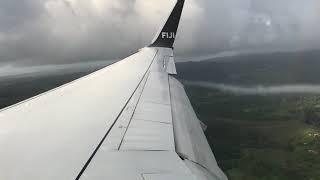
x=259 y=136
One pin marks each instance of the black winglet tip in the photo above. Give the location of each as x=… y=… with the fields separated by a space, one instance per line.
x=167 y=35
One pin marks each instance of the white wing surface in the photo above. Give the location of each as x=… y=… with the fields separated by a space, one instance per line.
x=129 y=121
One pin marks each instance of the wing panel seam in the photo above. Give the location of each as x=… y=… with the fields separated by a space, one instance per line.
x=124 y=135
x=105 y=136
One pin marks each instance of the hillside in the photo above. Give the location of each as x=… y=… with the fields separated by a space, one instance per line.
x=266 y=69
x=258 y=135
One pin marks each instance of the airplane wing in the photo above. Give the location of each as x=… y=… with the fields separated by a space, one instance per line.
x=129 y=121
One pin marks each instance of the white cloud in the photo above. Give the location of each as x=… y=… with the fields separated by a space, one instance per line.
x=62 y=31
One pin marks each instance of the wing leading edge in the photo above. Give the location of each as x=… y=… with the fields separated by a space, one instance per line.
x=131 y=120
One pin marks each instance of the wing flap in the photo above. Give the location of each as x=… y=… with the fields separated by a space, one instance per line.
x=151 y=125
x=168 y=177
x=146 y=135
x=171 y=67
x=133 y=165
x=191 y=142
x=116 y=135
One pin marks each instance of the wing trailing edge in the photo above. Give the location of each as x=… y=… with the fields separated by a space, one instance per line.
x=167 y=34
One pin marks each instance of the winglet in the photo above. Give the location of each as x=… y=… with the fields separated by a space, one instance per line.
x=166 y=36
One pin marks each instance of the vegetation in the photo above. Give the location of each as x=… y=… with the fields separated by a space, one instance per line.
x=261 y=137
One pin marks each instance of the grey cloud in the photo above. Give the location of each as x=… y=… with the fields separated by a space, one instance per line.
x=14 y=14
x=65 y=31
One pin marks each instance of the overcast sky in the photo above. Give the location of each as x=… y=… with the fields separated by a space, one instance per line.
x=65 y=31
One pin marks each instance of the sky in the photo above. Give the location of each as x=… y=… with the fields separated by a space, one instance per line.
x=40 y=32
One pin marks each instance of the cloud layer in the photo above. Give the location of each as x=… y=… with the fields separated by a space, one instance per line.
x=65 y=31
x=260 y=90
